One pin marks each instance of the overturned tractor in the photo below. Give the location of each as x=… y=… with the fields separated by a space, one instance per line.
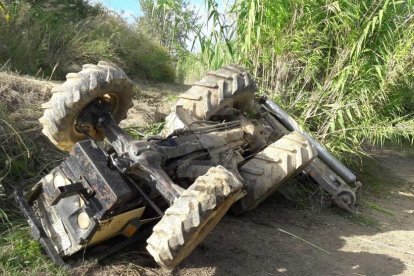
x=221 y=148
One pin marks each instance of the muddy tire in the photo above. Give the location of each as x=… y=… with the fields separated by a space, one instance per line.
x=80 y=89
x=272 y=167
x=218 y=92
x=193 y=215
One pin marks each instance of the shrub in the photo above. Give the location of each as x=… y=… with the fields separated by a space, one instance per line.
x=343 y=68
x=52 y=38
x=190 y=68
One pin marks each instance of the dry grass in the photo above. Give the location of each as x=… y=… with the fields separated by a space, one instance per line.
x=21 y=97
x=53 y=38
x=24 y=154
x=152 y=103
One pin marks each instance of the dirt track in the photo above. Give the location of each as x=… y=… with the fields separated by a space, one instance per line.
x=278 y=239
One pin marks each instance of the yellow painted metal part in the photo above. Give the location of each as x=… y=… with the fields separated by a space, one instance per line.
x=112 y=227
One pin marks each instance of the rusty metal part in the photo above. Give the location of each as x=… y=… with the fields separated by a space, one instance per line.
x=342 y=194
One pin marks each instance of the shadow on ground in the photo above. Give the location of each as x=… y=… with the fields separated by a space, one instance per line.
x=277 y=239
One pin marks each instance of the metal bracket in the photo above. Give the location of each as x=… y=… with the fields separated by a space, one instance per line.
x=67 y=191
x=342 y=194
x=36 y=227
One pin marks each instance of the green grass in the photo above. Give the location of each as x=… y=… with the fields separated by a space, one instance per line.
x=172 y=98
x=24 y=154
x=135 y=132
x=364 y=220
x=52 y=38
x=155 y=128
x=343 y=69
x=191 y=67
x=19 y=252
x=141 y=132
x=377 y=207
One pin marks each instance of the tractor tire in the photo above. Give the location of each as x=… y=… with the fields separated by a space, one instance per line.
x=193 y=215
x=272 y=167
x=219 y=91
x=80 y=89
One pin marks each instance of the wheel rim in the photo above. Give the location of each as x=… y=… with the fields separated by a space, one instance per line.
x=82 y=128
